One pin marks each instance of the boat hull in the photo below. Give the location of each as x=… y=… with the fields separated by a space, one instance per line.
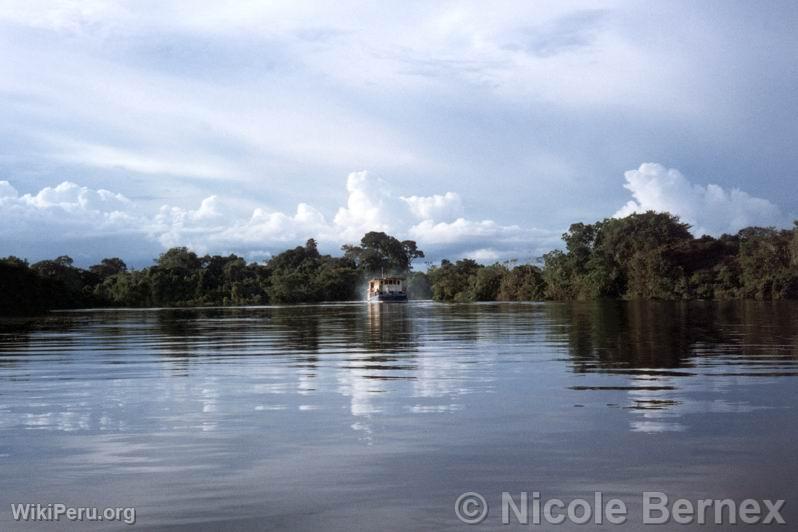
x=387 y=298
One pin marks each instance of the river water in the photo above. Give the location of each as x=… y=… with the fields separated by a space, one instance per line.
x=377 y=417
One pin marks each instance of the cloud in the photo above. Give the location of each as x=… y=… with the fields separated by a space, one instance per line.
x=269 y=104
x=459 y=230
x=272 y=102
x=64 y=211
x=85 y=223
x=76 y=216
x=483 y=240
x=7 y=191
x=220 y=225
x=369 y=206
x=708 y=209
x=437 y=207
x=153 y=162
x=71 y=197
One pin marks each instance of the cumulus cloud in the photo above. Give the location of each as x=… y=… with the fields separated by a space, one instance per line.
x=709 y=209
x=71 y=197
x=436 y=207
x=446 y=233
x=66 y=217
x=483 y=240
x=369 y=207
x=69 y=212
x=71 y=219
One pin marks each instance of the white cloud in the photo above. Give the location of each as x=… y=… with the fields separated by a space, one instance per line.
x=461 y=229
x=484 y=240
x=71 y=197
x=74 y=213
x=369 y=206
x=69 y=219
x=484 y=255
x=73 y=216
x=437 y=207
x=275 y=227
x=64 y=211
x=709 y=209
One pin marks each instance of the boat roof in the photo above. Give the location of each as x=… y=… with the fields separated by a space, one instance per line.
x=387 y=279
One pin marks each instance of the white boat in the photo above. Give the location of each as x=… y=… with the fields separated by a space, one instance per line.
x=386 y=289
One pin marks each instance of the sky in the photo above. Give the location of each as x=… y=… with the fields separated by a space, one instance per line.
x=477 y=129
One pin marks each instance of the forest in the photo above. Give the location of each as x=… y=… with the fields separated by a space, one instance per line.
x=180 y=277
x=642 y=256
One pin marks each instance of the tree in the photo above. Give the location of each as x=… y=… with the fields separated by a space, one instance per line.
x=454 y=281
x=411 y=252
x=382 y=253
x=523 y=283
x=558 y=276
x=127 y=289
x=174 y=279
x=335 y=280
x=108 y=267
x=21 y=289
x=303 y=275
x=765 y=264
x=487 y=281
x=179 y=259
x=63 y=281
x=617 y=257
x=646 y=256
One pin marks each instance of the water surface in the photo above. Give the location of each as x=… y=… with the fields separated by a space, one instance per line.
x=376 y=417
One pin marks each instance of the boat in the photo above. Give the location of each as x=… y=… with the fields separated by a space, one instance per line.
x=386 y=289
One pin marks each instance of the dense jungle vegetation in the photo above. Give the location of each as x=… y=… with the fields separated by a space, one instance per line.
x=179 y=277
x=643 y=256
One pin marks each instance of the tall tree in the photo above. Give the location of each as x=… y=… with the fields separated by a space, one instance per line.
x=379 y=252
x=108 y=267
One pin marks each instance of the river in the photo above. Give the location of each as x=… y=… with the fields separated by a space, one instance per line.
x=377 y=417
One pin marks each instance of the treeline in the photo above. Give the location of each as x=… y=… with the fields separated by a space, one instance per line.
x=643 y=256
x=180 y=277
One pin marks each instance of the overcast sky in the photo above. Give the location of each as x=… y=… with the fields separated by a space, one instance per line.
x=478 y=129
